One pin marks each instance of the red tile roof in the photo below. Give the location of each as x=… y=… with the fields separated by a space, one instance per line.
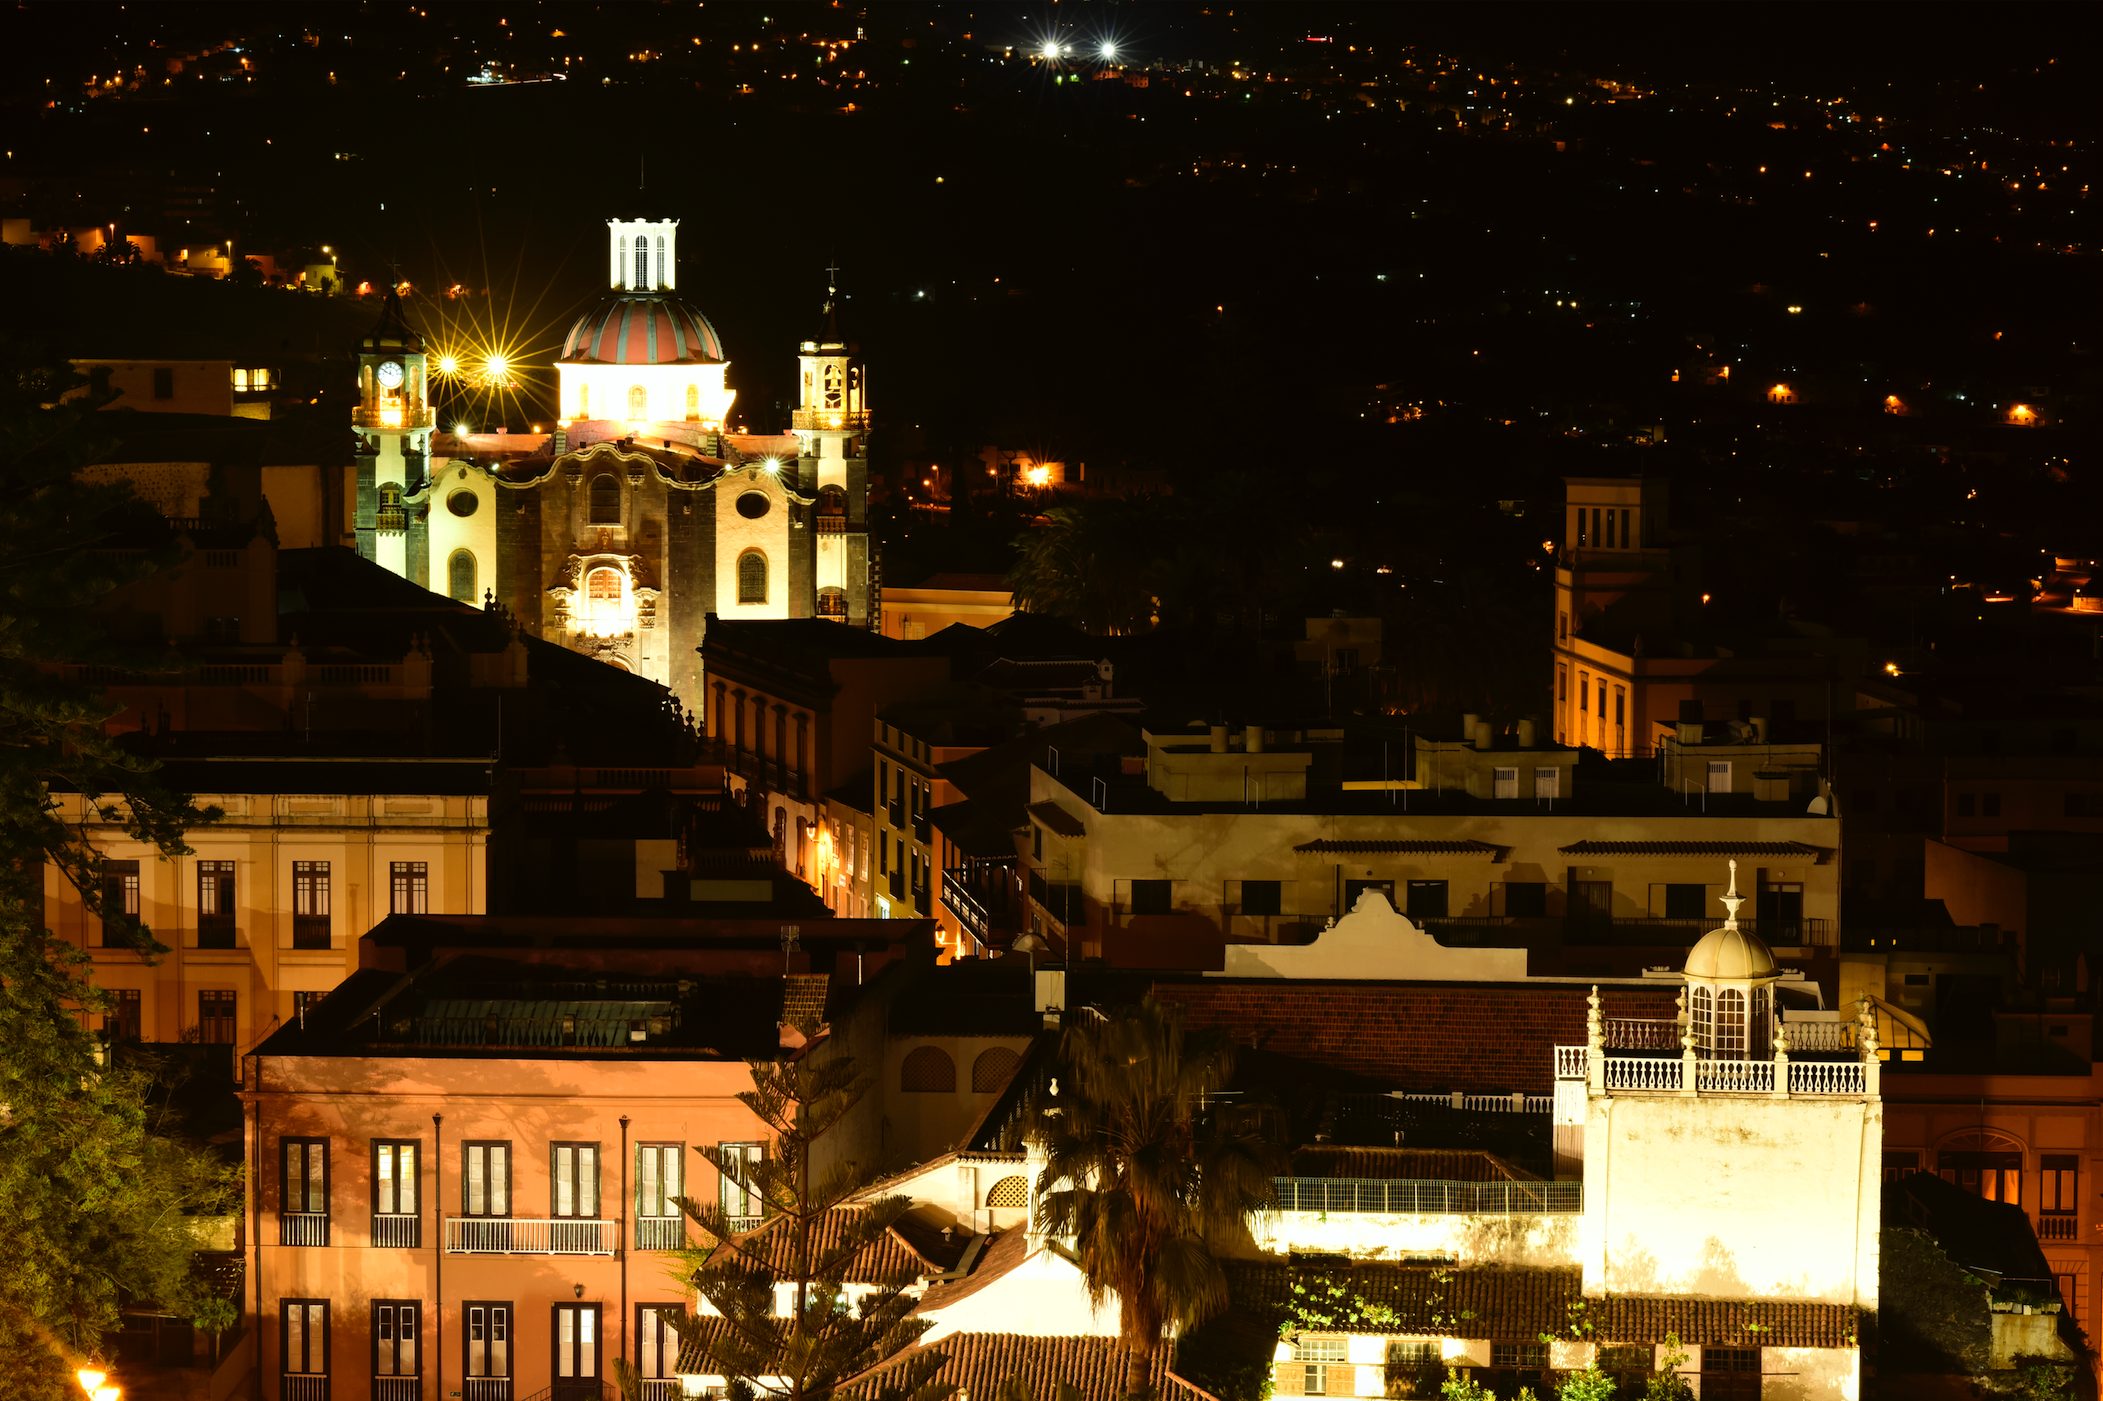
x=1819 y=855
x=1421 y=848
x=1477 y=1039
x=889 y=1259
x=978 y=1363
x=1520 y=1305
x=1407 y=1164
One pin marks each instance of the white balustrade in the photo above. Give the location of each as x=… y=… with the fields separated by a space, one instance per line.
x=510 y=1235
x=303 y=1228
x=660 y=1232
x=488 y=1389
x=1571 y=1062
x=1814 y=1077
x=303 y=1386
x=397 y=1231
x=1634 y=1073
x=1735 y=1076
x=1820 y=1036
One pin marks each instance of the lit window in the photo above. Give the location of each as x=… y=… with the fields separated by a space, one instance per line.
x=752 y=577
x=638 y=401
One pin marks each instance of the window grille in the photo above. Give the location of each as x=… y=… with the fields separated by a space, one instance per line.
x=460 y=577
x=993 y=1069
x=1507 y=783
x=1009 y=1191
x=1730 y=1024
x=752 y=577
x=928 y=1070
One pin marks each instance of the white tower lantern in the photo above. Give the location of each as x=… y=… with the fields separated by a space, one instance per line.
x=1731 y=975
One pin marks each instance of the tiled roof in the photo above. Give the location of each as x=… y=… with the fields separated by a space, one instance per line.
x=1057 y=819
x=1441 y=1037
x=1324 y=846
x=1002 y=1254
x=889 y=1259
x=1818 y=854
x=1520 y=1305
x=978 y=1363
x=1406 y=1164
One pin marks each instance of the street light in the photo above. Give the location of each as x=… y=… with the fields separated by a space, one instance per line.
x=90 y=1378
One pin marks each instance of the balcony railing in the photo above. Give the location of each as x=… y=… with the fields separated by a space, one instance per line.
x=310 y=932
x=303 y=1386
x=923 y=900
x=1430 y=1198
x=2058 y=1228
x=395 y=1231
x=1666 y=1074
x=1653 y=929
x=660 y=1388
x=894 y=813
x=486 y=1389
x=1643 y=1034
x=397 y=1389
x=398 y=416
x=302 y=1228
x=896 y=881
x=815 y=420
x=1487 y=1104
x=979 y=910
x=1821 y=1036
x=660 y=1232
x=511 y=1235
x=922 y=828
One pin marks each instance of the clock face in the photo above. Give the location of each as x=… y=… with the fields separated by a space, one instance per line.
x=391 y=374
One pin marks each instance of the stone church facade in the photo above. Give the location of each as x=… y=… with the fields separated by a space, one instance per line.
x=620 y=537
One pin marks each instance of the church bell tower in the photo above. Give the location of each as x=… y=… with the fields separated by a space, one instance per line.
x=831 y=422
x=394 y=422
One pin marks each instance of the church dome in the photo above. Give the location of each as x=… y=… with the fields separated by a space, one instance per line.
x=642 y=329
x=1730 y=952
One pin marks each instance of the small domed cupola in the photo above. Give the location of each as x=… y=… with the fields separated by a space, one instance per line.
x=1730 y=989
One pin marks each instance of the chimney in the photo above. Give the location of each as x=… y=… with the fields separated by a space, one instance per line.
x=1219 y=739
x=1483 y=737
x=1527 y=733
x=1467 y=727
x=1253 y=739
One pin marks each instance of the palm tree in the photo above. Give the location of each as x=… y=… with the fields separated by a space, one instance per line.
x=1145 y=1172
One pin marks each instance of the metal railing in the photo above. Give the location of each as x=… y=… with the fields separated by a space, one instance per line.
x=1672 y=929
x=486 y=1389
x=397 y=1231
x=922 y=827
x=660 y=1232
x=397 y=1389
x=510 y=1235
x=1487 y=1104
x=660 y=1388
x=1403 y=1196
x=302 y=1228
x=809 y=420
x=302 y=1386
x=404 y=416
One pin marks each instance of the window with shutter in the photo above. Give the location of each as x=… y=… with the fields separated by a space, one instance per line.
x=303 y=1343
x=574 y=1171
x=740 y=1203
x=488 y=1338
x=396 y=1220
x=659 y=1223
x=485 y=1178
x=303 y=1202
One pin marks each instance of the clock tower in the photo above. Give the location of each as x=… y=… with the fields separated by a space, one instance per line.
x=394 y=422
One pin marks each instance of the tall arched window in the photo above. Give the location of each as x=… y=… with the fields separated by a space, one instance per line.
x=832 y=385
x=642 y=263
x=693 y=401
x=623 y=261
x=584 y=401
x=752 y=577
x=928 y=1071
x=638 y=401
x=605 y=610
x=605 y=500
x=660 y=260
x=460 y=577
x=1730 y=1024
x=1701 y=1016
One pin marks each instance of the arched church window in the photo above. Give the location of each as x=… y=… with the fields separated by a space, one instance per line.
x=660 y=260
x=605 y=500
x=752 y=577
x=1730 y=1024
x=832 y=386
x=693 y=401
x=832 y=603
x=642 y=263
x=603 y=613
x=603 y=586
x=832 y=501
x=1701 y=1016
x=638 y=401
x=584 y=401
x=460 y=577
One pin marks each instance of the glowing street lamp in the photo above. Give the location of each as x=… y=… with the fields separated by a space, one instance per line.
x=90 y=1378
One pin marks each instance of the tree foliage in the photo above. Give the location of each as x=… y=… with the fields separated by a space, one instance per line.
x=814 y=1229
x=95 y=1189
x=1145 y=1172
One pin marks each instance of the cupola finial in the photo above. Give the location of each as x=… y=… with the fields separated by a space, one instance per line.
x=1732 y=900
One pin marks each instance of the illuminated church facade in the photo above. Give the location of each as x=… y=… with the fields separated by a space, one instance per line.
x=619 y=534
